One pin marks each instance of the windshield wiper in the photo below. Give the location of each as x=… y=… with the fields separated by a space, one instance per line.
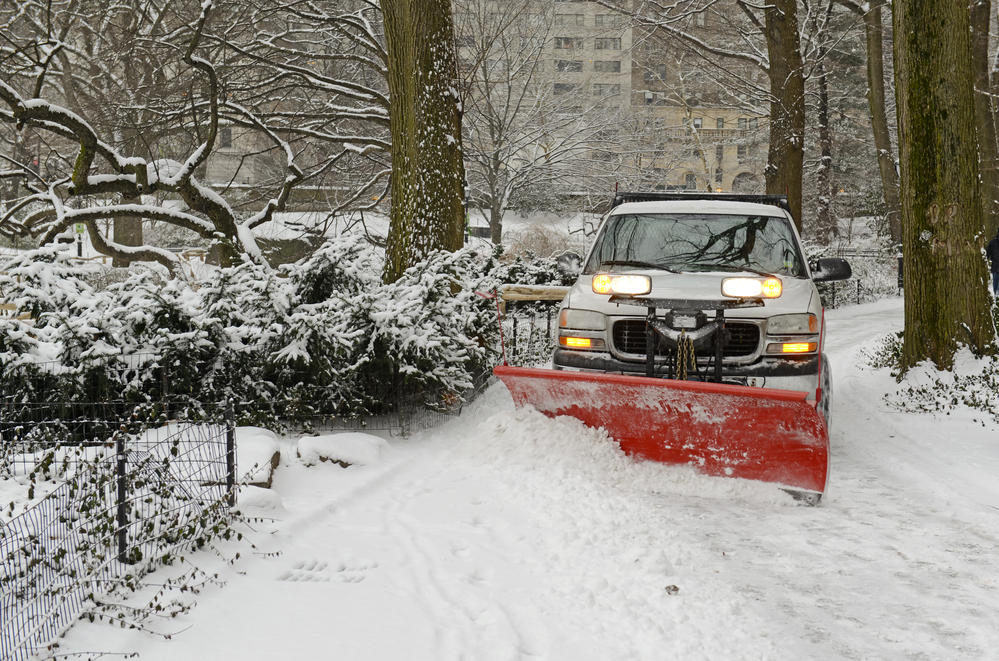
x=733 y=268
x=640 y=264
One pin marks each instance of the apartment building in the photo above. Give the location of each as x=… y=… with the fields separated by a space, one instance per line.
x=690 y=127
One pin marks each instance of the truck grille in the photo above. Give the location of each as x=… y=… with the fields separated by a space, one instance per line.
x=629 y=337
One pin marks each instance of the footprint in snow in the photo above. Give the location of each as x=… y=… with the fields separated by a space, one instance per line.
x=316 y=571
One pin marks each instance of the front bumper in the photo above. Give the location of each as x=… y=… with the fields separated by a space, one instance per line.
x=798 y=373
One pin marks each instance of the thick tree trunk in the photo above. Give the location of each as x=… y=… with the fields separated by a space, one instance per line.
x=425 y=121
x=496 y=221
x=126 y=232
x=787 y=105
x=981 y=11
x=825 y=229
x=992 y=224
x=946 y=279
x=879 y=116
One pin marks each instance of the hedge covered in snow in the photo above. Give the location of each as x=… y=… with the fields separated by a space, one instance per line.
x=324 y=334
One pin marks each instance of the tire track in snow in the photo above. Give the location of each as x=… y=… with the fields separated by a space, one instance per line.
x=892 y=565
x=605 y=549
x=453 y=584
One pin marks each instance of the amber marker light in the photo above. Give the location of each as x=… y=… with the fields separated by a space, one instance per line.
x=576 y=342
x=602 y=283
x=798 y=347
x=772 y=288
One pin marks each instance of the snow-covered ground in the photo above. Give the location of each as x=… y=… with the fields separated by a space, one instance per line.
x=504 y=535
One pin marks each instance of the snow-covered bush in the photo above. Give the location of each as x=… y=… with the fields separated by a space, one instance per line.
x=528 y=269
x=248 y=303
x=325 y=337
x=432 y=328
x=322 y=346
x=44 y=280
x=161 y=323
x=973 y=383
x=44 y=288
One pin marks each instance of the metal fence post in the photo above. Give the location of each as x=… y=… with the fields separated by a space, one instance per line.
x=122 y=497
x=230 y=451
x=514 y=352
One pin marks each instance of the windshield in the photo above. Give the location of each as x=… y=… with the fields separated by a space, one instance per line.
x=697 y=242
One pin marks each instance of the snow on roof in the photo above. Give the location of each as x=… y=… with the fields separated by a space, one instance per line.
x=700 y=206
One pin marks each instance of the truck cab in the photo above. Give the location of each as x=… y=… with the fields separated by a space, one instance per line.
x=699 y=286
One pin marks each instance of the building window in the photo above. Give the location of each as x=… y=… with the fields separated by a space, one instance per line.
x=752 y=124
x=608 y=20
x=719 y=153
x=569 y=19
x=602 y=89
x=570 y=66
x=606 y=66
x=466 y=42
x=720 y=122
x=690 y=181
x=532 y=42
x=607 y=43
x=565 y=88
x=718 y=176
x=698 y=122
x=656 y=75
x=568 y=43
x=225 y=137
x=742 y=123
x=741 y=152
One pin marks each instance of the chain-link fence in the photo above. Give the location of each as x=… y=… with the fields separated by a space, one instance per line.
x=875 y=276
x=288 y=398
x=107 y=495
x=529 y=331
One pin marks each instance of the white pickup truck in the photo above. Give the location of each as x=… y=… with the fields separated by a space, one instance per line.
x=699 y=286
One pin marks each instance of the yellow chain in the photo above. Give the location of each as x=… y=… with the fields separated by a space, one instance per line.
x=684 y=356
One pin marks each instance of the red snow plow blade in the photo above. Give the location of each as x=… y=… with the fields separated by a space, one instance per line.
x=719 y=429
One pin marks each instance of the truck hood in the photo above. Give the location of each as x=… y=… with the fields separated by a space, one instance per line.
x=797 y=295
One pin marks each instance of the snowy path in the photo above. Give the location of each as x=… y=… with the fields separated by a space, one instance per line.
x=507 y=536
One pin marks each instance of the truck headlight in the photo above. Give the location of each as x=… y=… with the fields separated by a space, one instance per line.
x=793 y=324
x=752 y=287
x=582 y=320
x=629 y=285
x=582 y=329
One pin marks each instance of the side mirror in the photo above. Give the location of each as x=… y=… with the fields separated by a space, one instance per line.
x=829 y=269
x=570 y=264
